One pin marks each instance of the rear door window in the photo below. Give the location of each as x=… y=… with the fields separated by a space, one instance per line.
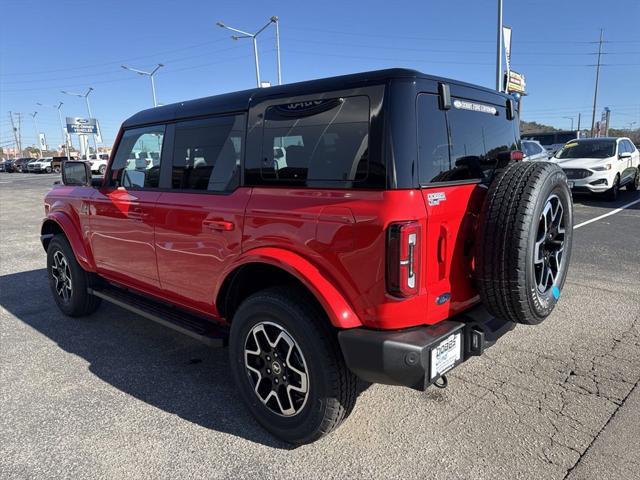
x=316 y=141
x=207 y=153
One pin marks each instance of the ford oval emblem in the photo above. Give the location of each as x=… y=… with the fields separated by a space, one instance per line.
x=444 y=298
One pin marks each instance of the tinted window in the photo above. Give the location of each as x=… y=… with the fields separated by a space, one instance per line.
x=433 y=139
x=207 y=153
x=322 y=140
x=588 y=149
x=137 y=161
x=630 y=146
x=478 y=134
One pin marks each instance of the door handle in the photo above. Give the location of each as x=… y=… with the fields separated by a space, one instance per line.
x=138 y=214
x=218 y=225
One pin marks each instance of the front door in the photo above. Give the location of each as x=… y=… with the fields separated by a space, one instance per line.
x=199 y=220
x=123 y=211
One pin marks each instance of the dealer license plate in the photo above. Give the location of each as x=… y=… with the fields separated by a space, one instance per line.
x=446 y=354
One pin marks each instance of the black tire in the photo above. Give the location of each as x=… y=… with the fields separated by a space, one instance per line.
x=508 y=275
x=56 y=169
x=331 y=387
x=77 y=302
x=48 y=169
x=102 y=169
x=635 y=184
x=612 y=193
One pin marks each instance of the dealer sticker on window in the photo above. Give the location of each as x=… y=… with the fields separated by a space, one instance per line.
x=446 y=355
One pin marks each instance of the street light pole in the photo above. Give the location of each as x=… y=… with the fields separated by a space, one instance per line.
x=65 y=136
x=276 y=20
x=254 y=37
x=86 y=98
x=570 y=118
x=35 y=125
x=499 y=50
x=150 y=75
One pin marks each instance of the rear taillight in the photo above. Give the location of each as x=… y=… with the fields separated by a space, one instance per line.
x=516 y=155
x=403 y=258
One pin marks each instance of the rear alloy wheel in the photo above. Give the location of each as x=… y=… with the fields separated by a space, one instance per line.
x=48 y=169
x=635 y=184
x=612 y=193
x=288 y=366
x=524 y=242
x=56 y=169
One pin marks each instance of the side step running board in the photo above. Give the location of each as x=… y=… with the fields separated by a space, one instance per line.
x=184 y=322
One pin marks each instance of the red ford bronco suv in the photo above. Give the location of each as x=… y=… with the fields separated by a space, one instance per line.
x=377 y=225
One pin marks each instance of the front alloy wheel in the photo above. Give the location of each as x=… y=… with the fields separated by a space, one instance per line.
x=277 y=369
x=61 y=274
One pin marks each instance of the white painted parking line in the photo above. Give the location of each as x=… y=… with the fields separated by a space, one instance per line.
x=613 y=212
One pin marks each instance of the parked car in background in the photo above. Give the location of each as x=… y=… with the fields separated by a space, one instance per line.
x=20 y=164
x=99 y=163
x=553 y=141
x=42 y=165
x=8 y=165
x=368 y=250
x=3 y=163
x=600 y=165
x=56 y=163
x=533 y=151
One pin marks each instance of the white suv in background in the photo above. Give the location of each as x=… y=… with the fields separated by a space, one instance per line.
x=99 y=163
x=600 y=165
x=41 y=165
x=534 y=151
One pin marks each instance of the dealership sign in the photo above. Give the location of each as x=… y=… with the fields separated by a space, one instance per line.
x=515 y=82
x=82 y=126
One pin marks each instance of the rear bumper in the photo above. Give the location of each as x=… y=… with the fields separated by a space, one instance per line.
x=403 y=357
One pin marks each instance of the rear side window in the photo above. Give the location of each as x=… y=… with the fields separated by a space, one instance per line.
x=478 y=135
x=462 y=144
x=207 y=153
x=433 y=139
x=322 y=140
x=137 y=161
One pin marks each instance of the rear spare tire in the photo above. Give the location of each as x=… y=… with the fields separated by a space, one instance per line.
x=524 y=241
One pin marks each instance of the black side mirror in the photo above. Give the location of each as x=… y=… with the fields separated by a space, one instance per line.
x=76 y=173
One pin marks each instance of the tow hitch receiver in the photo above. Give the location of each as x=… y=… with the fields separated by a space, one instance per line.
x=420 y=356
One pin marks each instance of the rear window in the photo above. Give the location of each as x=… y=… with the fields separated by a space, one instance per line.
x=477 y=134
x=321 y=140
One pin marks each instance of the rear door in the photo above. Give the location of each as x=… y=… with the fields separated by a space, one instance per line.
x=457 y=152
x=200 y=214
x=123 y=211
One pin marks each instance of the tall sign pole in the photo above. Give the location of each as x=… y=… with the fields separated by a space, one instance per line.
x=595 y=94
x=499 y=50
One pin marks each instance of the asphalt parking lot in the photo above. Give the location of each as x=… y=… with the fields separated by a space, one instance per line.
x=114 y=395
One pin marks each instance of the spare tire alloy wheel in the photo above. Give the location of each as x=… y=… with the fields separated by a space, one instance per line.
x=524 y=242
x=549 y=247
x=277 y=369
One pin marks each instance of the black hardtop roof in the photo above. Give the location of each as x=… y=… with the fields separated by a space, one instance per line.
x=238 y=101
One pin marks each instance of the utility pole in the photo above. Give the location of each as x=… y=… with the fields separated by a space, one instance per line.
x=578 y=124
x=595 y=94
x=35 y=126
x=499 y=50
x=15 y=133
x=19 y=115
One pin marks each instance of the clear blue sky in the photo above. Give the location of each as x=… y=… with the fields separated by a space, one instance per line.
x=47 y=46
